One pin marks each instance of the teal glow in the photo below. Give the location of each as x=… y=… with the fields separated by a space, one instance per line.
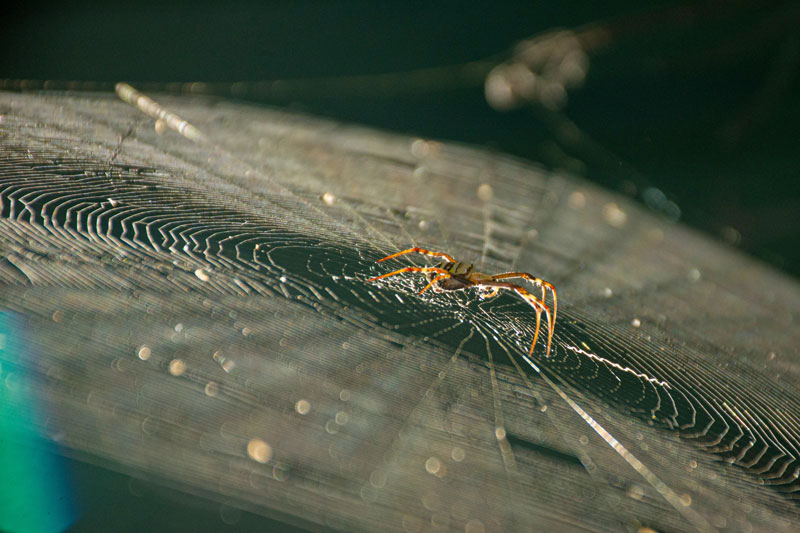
x=35 y=493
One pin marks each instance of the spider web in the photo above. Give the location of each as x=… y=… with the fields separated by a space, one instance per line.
x=196 y=311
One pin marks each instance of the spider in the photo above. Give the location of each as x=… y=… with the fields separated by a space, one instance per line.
x=452 y=275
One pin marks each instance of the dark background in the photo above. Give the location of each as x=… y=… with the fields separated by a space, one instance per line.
x=696 y=102
x=699 y=104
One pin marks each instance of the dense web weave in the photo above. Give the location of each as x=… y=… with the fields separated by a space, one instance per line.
x=196 y=310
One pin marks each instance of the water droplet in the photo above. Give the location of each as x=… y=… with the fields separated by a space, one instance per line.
x=259 y=451
x=576 y=200
x=636 y=492
x=377 y=479
x=432 y=501
x=432 y=465
x=177 y=367
x=302 y=406
x=458 y=454
x=614 y=216
x=485 y=192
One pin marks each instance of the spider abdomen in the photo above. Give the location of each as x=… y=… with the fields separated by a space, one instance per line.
x=460 y=273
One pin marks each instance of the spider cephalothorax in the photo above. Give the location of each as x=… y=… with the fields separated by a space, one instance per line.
x=452 y=275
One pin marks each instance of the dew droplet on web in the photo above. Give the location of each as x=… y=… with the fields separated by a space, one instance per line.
x=259 y=451
x=377 y=479
x=432 y=465
x=458 y=454
x=177 y=367
x=485 y=192
x=144 y=353
x=614 y=216
x=302 y=406
x=576 y=200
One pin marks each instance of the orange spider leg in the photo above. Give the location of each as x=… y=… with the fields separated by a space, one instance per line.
x=536 y=334
x=538 y=320
x=411 y=269
x=537 y=281
x=419 y=251
x=434 y=280
x=536 y=303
